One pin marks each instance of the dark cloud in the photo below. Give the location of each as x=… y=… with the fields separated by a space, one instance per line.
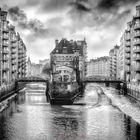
x=83 y=13
x=102 y=14
x=114 y=4
x=102 y=21
x=57 y=5
x=48 y=5
x=17 y=14
x=36 y=27
x=81 y=5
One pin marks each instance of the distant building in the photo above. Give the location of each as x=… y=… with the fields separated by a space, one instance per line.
x=129 y=51
x=44 y=62
x=12 y=53
x=98 y=67
x=29 y=67
x=33 y=69
x=122 y=58
x=36 y=69
x=21 y=57
x=66 y=56
x=113 y=60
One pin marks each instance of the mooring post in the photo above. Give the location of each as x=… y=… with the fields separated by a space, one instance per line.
x=125 y=88
x=118 y=86
x=47 y=90
x=16 y=85
x=107 y=84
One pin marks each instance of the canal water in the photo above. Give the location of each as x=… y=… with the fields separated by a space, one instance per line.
x=97 y=115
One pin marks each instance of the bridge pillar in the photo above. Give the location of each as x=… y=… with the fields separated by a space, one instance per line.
x=16 y=85
x=118 y=86
x=125 y=88
x=107 y=84
x=47 y=90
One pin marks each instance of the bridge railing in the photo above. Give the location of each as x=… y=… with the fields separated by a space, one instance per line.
x=32 y=79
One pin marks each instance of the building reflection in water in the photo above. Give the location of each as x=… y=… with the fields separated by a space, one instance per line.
x=67 y=124
x=37 y=116
x=35 y=98
x=132 y=128
x=10 y=124
x=35 y=119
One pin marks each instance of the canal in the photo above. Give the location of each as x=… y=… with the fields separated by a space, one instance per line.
x=95 y=116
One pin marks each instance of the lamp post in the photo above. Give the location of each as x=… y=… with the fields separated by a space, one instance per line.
x=76 y=66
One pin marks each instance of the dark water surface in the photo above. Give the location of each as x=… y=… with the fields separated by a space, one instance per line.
x=93 y=117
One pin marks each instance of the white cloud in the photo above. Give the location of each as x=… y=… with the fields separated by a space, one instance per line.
x=101 y=27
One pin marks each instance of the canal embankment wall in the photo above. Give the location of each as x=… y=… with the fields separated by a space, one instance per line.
x=132 y=90
x=8 y=95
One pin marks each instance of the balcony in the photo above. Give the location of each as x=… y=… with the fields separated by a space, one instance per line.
x=20 y=57
x=137 y=26
x=5 y=69
x=137 y=34
x=127 y=56
x=128 y=44
x=127 y=62
x=5 y=29
x=13 y=63
x=127 y=70
x=13 y=40
x=20 y=60
x=20 y=53
x=136 y=50
x=128 y=38
x=5 y=58
x=5 y=44
x=137 y=68
x=13 y=70
x=127 y=30
x=137 y=58
x=13 y=52
x=4 y=80
x=5 y=37
x=14 y=46
x=137 y=42
x=13 y=57
x=24 y=57
x=5 y=51
x=20 y=48
x=24 y=66
x=137 y=16
x=127 y=50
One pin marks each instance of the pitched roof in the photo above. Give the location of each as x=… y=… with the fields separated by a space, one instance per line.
x=68 y=47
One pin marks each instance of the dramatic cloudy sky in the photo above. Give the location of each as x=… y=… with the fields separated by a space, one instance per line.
x=40 y=22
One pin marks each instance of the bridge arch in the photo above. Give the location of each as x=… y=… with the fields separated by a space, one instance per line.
x=30 y=79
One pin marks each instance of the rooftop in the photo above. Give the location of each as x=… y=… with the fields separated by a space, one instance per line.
x=68 y=47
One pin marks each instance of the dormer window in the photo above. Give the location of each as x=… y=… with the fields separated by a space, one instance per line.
x=64 y=50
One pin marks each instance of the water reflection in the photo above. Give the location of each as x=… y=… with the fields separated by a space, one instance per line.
x=34 y=119
x=67 y=123
x=132 y=128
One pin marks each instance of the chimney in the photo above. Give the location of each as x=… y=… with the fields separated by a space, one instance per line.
x=56 y=42
x=138 y=10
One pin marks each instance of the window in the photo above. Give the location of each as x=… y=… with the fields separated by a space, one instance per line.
x=64 y=50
